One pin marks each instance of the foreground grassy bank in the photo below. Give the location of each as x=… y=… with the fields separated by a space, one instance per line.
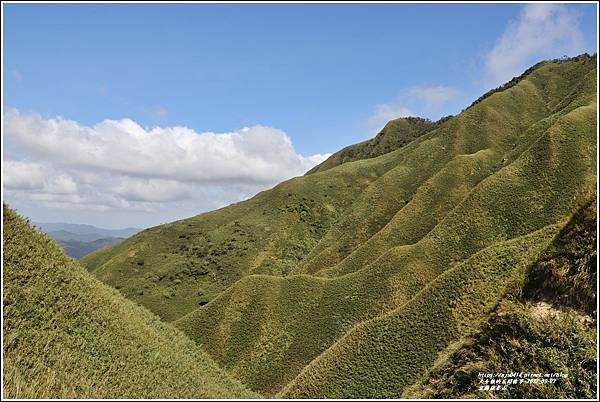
x=67 y=335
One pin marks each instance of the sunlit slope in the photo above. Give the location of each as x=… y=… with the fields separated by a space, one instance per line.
x=396 y=134
x=435 y=172
x=67 y=335
x=174 y=268
x=380 y=357
x=335 y=221
x=320 y=258
x=547 y=173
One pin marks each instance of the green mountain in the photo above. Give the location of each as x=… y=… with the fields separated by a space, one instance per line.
x=396 y=134
x=356 y=279
x=67 y=335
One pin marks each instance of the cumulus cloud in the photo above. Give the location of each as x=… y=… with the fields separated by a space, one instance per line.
x=258 y=154
x=541 y=31
x=23 y=175
x=36 y=177
x=151 y=190
x=119 y=164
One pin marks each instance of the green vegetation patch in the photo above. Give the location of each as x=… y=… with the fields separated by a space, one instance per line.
x=381 y=357
x=521 y=338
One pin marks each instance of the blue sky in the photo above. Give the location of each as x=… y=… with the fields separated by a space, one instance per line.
x=322 y=75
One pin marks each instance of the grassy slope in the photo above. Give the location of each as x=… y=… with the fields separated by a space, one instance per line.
x=518 y=339
x=287 y=322
x=380 y=357
x=319 y=219
x=438 y=170
x=375 y=232
x=67 y=335
x=173 y=268
x=396 y=134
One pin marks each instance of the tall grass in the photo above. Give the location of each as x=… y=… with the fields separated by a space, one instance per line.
x=67 y=335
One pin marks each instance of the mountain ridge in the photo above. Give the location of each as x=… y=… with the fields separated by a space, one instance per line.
x=85 y=229
x=284 y=276
x=78 y=240
x=394 y=135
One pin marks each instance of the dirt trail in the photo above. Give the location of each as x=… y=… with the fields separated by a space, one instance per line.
x=544 y=309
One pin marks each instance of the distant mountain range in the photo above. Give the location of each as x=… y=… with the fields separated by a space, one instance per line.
x=79 y=240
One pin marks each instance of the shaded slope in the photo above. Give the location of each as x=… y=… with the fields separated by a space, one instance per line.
x=287 y=322
x=67 y=335
x=87 y=232
x=566 y=273
x=396 y=134
x=78 y=249
x=519 y=338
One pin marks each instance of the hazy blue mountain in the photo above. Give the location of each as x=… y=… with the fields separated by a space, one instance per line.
x=79 y=240
x=78 y=249
x=81 y=229
x=64 y=235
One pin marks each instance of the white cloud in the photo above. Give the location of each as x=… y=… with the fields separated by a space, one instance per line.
x=119 y=164
x=540 y=32
x=22 y=175
x=61 y=184
x=255 y=154
x=151 y=190
x=36 y=177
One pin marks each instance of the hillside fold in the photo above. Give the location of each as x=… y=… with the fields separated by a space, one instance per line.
x=352 y=280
